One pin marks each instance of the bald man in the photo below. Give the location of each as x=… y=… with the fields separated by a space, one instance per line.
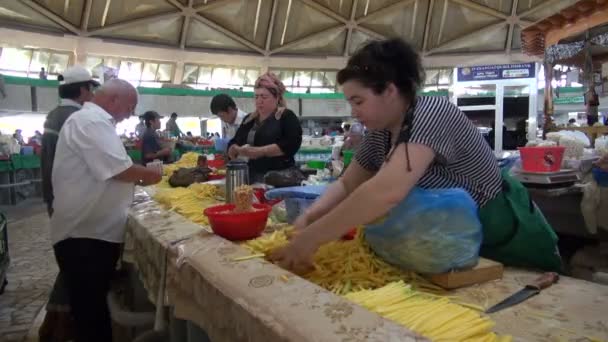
x=93 y=180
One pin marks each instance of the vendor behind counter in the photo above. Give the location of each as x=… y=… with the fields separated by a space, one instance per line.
x=151 y=147
x=418 y=144
x=271 y=135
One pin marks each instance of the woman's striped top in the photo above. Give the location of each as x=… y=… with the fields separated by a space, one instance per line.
x=463 y=158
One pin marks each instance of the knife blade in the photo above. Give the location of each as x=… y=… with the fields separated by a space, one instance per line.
x=530 y=290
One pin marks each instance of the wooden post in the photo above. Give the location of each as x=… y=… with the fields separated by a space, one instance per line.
x=548 y=99
x=590 y=95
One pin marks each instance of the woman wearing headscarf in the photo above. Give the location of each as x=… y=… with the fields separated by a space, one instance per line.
x=271 y=135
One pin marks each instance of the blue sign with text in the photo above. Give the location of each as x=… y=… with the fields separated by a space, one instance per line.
x=496 y=72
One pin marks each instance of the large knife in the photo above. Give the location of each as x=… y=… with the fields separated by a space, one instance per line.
x=530 y=290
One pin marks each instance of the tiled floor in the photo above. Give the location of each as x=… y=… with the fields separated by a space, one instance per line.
x=32 y=270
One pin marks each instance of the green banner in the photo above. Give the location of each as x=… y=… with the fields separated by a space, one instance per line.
x=194 y=92
x=568 y=100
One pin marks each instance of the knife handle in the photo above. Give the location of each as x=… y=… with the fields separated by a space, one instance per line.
x=544 y=281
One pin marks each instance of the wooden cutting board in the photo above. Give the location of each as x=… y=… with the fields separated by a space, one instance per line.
x=485 y=270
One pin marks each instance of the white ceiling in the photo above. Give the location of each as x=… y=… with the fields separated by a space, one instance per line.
x=289 y=27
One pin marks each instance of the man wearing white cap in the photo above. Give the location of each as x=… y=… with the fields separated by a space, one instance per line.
x=75 y=88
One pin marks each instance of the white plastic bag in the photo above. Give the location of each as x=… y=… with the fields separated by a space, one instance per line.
x=601 y=146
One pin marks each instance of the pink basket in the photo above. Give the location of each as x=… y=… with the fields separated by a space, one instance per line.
x=542 y=159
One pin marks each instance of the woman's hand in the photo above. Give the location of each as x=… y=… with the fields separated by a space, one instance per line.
x=252 y=152
x=234 y=151
x=297 y=256
x=301 y=222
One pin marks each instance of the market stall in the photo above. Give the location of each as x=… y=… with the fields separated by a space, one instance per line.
x=576 y=36
x=232 y=299
x=501 y=98
x=231 y=292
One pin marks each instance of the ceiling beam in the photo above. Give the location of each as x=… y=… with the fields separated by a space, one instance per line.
x=370 y=33
x=273 y=15
x=86 y=15
x=511 y=26
x=444 y=14
x=308 y=38
x=212 y=5
x=414 y=15
x=286 y=21
x=133 y=22
x=543 y=4
x=257 y=18
x=427 y=26
x=328 y=12
x=524 y=23
x=479 y=32
x=185 y=27
x=350 y=27
x=52 y=16
x=228 y=33
x=106 y=9
x=385 y=10
x=184 y=33
x=481 y=8
x=176 y=4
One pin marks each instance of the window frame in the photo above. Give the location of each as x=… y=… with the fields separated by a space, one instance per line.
x=213 y=67
x=34 y=73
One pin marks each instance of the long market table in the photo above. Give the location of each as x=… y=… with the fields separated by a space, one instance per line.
x=252 y=300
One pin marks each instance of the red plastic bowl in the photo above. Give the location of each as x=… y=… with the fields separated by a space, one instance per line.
x=215 y=177
x=216 y=163
x=237 y=226
x=350 y=235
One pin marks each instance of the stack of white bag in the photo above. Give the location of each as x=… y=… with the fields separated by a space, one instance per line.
x=601 y=146
x=8 y=145
x=574 y=142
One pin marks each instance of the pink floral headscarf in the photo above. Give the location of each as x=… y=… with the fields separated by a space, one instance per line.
x=274 y=85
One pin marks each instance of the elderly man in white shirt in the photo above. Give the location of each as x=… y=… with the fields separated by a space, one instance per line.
x=93 y=180
x=225 y=108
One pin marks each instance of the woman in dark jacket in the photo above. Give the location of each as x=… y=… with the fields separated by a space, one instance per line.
x=269 y=137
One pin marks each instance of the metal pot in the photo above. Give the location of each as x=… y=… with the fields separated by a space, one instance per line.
x=237 y=174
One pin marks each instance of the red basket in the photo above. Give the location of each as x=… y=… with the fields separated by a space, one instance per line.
x=216 y=163
x=215 y=177
x=237 y=226
x=542 y=159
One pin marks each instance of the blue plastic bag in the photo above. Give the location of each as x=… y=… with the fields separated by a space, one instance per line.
x=430 y=231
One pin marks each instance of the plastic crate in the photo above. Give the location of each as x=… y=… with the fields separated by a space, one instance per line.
x=30 y=162
x=17 y=161
x=5 y=166
x=348 y=156
x=600 y=176
x=176 y=155
x=135 y=155
x=296 y=206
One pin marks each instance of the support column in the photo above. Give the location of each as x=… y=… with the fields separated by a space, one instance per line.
x=591 y=98
x=178 y=75
x=80 y=55
x=548 y=99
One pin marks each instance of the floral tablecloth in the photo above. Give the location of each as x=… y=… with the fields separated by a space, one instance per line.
x=251 y=300
x=254 y=300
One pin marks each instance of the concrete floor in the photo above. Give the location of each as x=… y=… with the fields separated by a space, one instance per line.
x=32 y=270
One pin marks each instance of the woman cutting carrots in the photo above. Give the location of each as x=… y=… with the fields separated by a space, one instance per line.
x=417 y=141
